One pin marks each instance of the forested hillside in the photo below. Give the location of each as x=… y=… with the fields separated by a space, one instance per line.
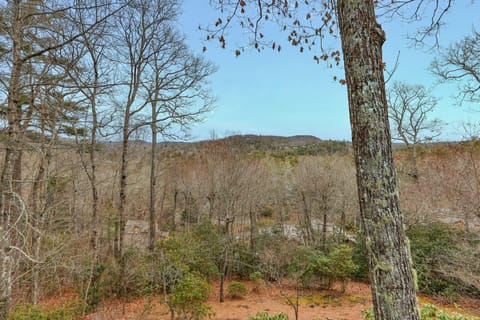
x=229 y=209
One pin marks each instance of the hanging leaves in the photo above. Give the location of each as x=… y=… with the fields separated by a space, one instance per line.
x=306 y=24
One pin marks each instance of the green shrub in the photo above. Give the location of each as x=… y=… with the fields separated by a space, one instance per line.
x=266 y=212
x=427 y=312
x=337 y=265
x=303 y=266
x=436 y=250
x=431 y=248
x=236 y=290
x=431 y=312
x=189 y=296
x=254 y=276
x=257 y=279
x=266 y=316
x=71 y=311
x=200 y=249
x=243 y=262
x=359 y=258
x=93 y=294
x=342 y=264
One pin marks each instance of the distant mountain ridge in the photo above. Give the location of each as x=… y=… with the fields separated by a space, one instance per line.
x=289 y=145
x=275 y=145
x=291 y=141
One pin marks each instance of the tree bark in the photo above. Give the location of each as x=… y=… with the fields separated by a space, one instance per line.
x=12 y=158
x=390 y=267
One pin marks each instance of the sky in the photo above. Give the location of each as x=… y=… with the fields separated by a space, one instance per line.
x=288 y=93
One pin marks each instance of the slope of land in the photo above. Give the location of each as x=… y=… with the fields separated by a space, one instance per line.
x=314 y=305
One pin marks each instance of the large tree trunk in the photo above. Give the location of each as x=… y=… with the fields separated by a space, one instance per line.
x=8 y=187
x=391 y=275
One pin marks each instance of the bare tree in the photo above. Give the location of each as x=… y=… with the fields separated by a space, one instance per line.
x=315 y=186
x=460 y=63
x=30 y=31
x=90 y=74
x=178 y=97
x=409 y=108
x=461 y=177
x=156 y=70
x=228 y=188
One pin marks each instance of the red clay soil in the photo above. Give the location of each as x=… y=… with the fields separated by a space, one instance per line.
x=325 y=304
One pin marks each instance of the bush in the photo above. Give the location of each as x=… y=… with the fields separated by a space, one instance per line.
x=303 y=266
x=243 y=262
x=427 y=312
x=359 y=258
x=266 y=212
x=93 y=294
x=189 y=296
x=236 y=290
x=71 y=311
x=266 y=316
x=432 y=247
x=337 y=265
x=342 y=264
x=257 y=279
x=431 y=312
x=200 y=249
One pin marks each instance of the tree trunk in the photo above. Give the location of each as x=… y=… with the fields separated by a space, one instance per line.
x=324 y=230
x=153 y=182
x=119 y=251
x=308 y=222
x=93 y=169
x=414 y=161
x=174 y=209
x=6 y=265
x=34 y=200
x=162 y=204
x=253 y=231
x=390 y=268
x=12 y=158
x=342 y=222
x=223 y=275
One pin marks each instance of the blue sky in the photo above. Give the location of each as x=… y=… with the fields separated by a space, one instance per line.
x=287 y=93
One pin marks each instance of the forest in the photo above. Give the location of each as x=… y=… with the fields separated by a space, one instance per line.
x=102 y=198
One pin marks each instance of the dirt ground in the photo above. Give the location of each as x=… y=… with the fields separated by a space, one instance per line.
x=319 y=305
